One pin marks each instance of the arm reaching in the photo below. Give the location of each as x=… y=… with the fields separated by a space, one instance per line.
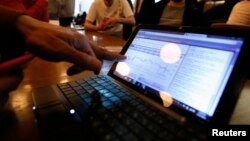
x=55 y=43
x=49 y=42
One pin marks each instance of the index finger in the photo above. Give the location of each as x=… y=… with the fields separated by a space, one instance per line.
x=112 y=56
x=85 y=61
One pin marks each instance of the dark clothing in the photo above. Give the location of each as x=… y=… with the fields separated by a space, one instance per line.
x=218 y=13
x=150 y=12
x=127 y=28
x=12 y=44
x=146 y=14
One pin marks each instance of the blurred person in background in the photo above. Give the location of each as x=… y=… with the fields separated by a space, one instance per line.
x=170 y=12
x=219 y=13
x=108 y=16
x=61 y=8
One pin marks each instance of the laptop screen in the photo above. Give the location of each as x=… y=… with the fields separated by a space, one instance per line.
x=184 y=69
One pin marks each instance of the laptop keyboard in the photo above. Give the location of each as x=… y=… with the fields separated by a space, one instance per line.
x=112 y=113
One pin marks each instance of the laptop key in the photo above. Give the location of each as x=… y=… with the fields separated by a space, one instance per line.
x=130 y=137
x=77 y=88
x=121 y=130
x=70 y=92
x=66 y=88
x=73 y=84
x=132 y=115
x=81 y=91
x=63 y=85
x=114 y=90
x=79 y=105
x=89 y=89
x=110 y=137
x=165 y=135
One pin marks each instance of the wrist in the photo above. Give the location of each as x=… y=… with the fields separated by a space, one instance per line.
x=21 y=24
x=98 y=28
x=119 y=20
x=26 y=26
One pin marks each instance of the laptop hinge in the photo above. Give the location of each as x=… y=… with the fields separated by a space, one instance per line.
x=168 y=111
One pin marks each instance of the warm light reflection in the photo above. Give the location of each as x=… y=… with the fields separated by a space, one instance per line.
x=166 y=98
x=27 y=87
x=64 y=80
x=19 y=98
x=170 y=53
x=123 y=68
x=81 y=32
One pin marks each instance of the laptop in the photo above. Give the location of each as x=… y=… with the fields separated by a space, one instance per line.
x=177 y=83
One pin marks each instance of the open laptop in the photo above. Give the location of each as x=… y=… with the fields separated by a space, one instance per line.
x=176 y=84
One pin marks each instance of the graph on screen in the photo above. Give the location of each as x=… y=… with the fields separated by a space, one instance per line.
x=147 y=65
x=195 y=73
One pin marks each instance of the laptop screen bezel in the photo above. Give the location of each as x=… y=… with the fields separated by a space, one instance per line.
x=232 y=89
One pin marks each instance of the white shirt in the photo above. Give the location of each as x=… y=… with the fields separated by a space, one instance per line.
x=119 y=9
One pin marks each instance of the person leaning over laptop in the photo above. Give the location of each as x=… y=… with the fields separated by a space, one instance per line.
x=108 y=16
x=47 y=41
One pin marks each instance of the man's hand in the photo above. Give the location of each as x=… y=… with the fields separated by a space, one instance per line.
x=55 y=43
x=106 y=24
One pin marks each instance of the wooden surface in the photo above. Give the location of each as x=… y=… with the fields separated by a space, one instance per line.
x=20 y=124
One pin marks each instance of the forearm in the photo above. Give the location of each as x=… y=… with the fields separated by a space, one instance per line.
x=127 y=20
x=89 y=26
x=25 y=25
